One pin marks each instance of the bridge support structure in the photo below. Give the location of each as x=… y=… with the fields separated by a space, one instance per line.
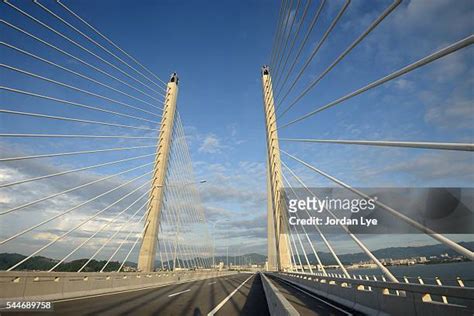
x=279 y=258
x=146 y=259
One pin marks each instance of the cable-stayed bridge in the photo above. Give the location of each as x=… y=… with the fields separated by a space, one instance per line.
x=100 y=168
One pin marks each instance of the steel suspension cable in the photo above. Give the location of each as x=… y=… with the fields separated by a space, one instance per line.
x=421 y=62
x=140 y=236
x=183 y=162
x=276 y=73
x=72 y=119
x=75 y=136
x=123 y=242
x=163 y=239
x=292 y=259
x=80 y=46
x=278 y=30
x=62 y=84
x=159 y=250
x=296 y=248
x=354 y=44
x=193 y=196
x=348 y=232
x=78 y=59
x=293 y=42
x=16 y=208
x=97 y=232
x=294 y=265
x=177 y=209
x=386 y=143
x=70 y=210
x=73 y=153
x=73 y=229
x=316 y=49
x=199 y=201
x=76 y=104
x=300 y=49
x=97 y=44
x=72 y=171
x=283 y=35
x=304 y=230
x=115 y=234
x=167 y=235
x=49 y=62
x=174 y=217
x=304 y=250
x=110 y=41
x=439 y=237
x=180 y=223
x=326 y=242
x=280 y=13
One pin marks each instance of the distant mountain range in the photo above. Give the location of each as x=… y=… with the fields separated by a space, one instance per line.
x=42 y=263
x=393 y=253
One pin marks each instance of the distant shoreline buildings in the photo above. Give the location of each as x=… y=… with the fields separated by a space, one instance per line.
x=442 y=258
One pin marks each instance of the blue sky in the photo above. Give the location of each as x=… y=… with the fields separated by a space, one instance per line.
x=217 y=48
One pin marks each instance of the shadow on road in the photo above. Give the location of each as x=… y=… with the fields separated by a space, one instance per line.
x=256 y=303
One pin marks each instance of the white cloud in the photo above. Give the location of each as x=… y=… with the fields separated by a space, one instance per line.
x=437 y=166
x=24 y=218
x=211 y=145
x=5 y=175
x=454 y=110
x=45 y=236
x=404 y=84
x=4 y=198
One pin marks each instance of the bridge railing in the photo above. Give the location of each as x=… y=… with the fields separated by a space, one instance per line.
x=63 y=285
x=373 y=297
x=458 y=281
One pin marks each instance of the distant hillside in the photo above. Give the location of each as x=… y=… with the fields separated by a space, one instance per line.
x=42 y=263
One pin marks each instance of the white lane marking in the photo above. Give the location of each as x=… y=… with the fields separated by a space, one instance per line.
x=214 y=311
x=174 y=294
x=212 y=283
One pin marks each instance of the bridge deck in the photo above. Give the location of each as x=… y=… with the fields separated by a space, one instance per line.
x=192 y=298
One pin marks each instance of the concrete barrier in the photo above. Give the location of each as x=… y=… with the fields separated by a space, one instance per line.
x=387 y=298
x=51 y=286
x=278 y=305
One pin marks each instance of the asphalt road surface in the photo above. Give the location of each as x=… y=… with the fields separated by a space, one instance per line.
x=192 y=298
x=309 y=304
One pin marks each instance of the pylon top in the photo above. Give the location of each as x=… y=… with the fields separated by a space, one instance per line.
x=174 y=77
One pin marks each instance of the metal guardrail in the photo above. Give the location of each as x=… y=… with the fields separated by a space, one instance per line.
x=403 y=278
x=376 y=297
x=61 y=285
